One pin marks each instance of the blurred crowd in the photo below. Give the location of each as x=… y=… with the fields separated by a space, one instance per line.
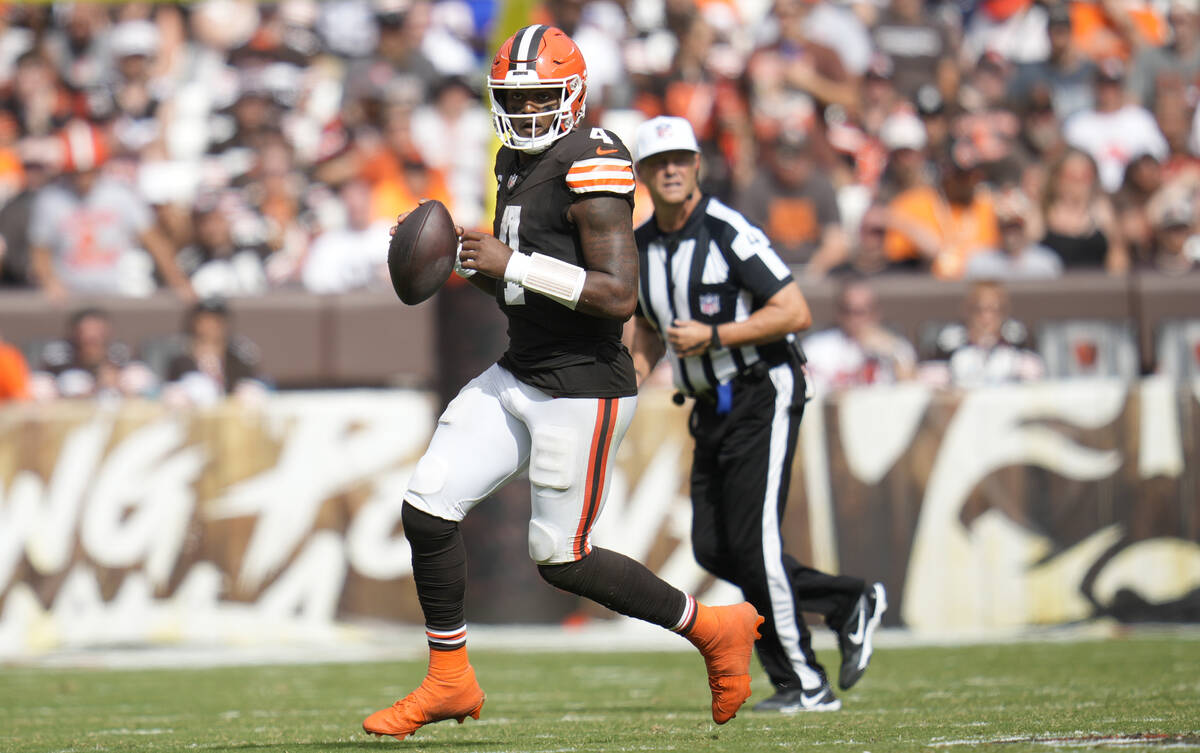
x=226 y=148
x=205 y=362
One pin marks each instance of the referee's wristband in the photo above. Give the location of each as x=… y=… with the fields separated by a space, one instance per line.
x=715 y=342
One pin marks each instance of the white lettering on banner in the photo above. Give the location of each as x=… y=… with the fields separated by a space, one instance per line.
x=39 y=518
x=130 y=503
x=79 y=608
x=299 y=605
x=873 y=445
x=21 y=613
x=1160 y=446
x=142 y=501
x=309 y=589
x=20 y=513
x=994 y=428
x=999 y=548
x=1054 y=592
x=132 y=508
x=324 y=452
x=371 y=547
x=1159 y=570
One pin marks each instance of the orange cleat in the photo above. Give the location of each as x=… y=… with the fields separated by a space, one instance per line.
x=445 y=693
x=725 y=637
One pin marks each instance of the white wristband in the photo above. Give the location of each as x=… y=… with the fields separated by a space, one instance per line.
x=553 y=278
x=517 y=264
x=459 y=269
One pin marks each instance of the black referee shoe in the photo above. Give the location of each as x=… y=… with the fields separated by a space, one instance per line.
x=796 y=700
x=854 y=637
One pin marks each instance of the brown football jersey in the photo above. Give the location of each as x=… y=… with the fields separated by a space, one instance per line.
x=562 y=352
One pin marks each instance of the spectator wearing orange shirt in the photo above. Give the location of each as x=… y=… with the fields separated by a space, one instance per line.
x=399 y=177
x=14 y=373
x=941 y=226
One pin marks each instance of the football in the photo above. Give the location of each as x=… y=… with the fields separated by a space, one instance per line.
x=421 y=253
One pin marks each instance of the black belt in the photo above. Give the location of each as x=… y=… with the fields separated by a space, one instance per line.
x=755 y=372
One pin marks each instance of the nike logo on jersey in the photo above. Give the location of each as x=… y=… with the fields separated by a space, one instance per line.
x=602 y=151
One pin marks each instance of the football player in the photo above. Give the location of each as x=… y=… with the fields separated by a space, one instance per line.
x=562 y=265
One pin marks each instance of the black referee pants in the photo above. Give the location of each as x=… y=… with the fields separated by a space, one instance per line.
x=740 y=472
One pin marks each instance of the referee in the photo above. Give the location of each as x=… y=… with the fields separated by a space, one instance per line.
x=717 y=299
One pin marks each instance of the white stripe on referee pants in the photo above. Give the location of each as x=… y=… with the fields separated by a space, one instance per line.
x=779 y=587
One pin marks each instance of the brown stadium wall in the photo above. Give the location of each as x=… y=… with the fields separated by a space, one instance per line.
x=371 y=339
x=984 y=510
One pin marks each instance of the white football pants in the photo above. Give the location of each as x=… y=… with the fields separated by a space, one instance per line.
x=496 y=428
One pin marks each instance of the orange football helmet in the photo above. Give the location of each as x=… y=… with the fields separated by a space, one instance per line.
x=537 y=57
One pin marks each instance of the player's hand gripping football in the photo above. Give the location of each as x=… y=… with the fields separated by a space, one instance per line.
x=400 y=218
x=484 y=253
x=457 y=229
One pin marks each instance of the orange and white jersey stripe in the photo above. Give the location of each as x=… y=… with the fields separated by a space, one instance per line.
x=601 y=174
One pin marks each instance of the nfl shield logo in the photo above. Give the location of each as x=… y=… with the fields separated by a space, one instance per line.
x=710 y=303
x=512 y=179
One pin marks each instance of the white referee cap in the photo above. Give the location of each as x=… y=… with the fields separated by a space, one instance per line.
x=665 y=134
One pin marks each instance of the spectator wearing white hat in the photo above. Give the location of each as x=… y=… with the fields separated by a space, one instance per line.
x=904 y=138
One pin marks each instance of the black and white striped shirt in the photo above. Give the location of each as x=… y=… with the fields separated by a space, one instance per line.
x=717 y=268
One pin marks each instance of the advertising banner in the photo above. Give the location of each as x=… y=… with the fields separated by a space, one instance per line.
x=130 y=523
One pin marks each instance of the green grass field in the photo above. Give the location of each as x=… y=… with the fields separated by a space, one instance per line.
x=1141 y=692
